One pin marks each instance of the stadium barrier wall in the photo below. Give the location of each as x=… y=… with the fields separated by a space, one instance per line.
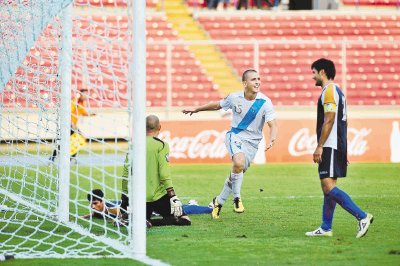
x=369 y=140
x=202 y=141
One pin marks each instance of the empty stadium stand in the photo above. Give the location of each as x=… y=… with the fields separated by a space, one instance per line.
x=112 y=3
x=289 y=43
x=106 y=65
x=286 y=44
x=372 y=2
x=187 y=74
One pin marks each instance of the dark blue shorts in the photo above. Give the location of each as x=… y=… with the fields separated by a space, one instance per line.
x=334 y=164
x=161 y=206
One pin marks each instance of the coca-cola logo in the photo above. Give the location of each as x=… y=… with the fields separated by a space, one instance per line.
x=206 y=144
x=303 y=142
x=357 y=144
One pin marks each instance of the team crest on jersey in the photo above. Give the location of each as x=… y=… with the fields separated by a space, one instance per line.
x=167 y=157
x=238 y=144
x=238 y=108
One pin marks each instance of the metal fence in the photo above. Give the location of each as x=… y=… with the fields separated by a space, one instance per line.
x=366 y=69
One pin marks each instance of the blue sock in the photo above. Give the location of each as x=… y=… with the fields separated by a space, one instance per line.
x=347 y=203
x=327 y=212
x=196 y=209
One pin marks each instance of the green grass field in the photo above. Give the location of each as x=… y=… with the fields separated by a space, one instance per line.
x=282 y=202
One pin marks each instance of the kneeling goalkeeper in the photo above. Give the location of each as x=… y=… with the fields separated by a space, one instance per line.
x=160 y=194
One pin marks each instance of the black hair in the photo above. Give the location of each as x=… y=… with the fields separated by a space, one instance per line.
x=327 y=65
x=244 y=76
x=95 y=195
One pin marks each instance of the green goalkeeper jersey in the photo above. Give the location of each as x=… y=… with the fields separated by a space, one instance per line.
x=158 y=174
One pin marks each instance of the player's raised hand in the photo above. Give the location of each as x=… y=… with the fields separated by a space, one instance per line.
x=189 y=111
x=270 y=145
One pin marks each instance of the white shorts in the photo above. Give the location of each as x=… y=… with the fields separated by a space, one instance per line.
x=236 y=145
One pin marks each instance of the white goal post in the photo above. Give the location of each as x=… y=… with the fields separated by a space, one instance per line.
x=53 y=52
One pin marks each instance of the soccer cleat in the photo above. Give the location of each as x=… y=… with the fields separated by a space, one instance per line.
x=363 y=225
x=238 y=205
x=319 y=232
x=216 y=208
x=73 y=161
x=50 y=162
x=148 y=224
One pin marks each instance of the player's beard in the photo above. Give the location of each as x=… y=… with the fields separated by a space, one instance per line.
x=318 y=83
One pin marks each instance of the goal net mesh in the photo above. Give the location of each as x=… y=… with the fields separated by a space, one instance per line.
x=30 y=120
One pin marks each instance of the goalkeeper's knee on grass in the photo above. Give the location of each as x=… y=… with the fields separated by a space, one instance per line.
x=183 y=220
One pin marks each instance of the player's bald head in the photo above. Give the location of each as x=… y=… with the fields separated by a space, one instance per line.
x=152 y=123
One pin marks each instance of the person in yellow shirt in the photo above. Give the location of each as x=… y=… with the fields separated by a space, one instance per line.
x=78 y=108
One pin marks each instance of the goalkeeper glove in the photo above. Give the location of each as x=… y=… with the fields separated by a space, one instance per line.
x=176 y=206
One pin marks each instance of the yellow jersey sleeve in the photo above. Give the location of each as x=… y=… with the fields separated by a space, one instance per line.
x=329 y=99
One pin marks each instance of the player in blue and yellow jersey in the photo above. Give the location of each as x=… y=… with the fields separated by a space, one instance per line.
x=251 y=109
x=331 y=151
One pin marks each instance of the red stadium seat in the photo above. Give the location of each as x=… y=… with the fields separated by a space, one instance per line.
x=371 y=66
x=112 y=3
x=285 y=66
x=371 y=2
x=110 y=86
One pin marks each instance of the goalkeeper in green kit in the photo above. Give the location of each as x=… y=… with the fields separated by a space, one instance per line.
x=160 y=194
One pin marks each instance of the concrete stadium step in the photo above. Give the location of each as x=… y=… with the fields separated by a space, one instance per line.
x=219 y=70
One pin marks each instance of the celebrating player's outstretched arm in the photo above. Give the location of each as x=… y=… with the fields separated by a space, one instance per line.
x=211 y=106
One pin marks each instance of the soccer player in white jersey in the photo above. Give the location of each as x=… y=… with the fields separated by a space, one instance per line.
x=251 y=109
x=331 y=151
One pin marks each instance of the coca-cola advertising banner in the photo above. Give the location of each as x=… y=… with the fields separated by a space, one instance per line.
x=369 y=140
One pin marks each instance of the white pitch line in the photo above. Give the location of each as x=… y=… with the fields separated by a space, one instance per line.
x=308 y=197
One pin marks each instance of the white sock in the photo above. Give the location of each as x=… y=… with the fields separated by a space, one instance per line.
x=226 y=191
x=237 y=180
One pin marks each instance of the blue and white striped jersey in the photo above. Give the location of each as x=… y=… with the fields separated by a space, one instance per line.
x=249 y=117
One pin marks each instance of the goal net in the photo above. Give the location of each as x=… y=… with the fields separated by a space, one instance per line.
x=56 y=55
